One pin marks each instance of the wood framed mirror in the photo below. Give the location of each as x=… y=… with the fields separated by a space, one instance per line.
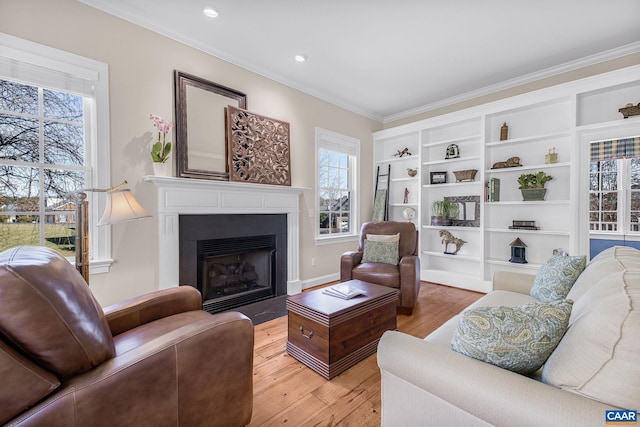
x=468 y=210
x=201 y=147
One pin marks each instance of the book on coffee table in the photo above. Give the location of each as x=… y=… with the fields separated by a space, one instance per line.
x=343 y=291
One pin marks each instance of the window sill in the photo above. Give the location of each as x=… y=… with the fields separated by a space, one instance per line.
x=97 y=266
x=336 y=239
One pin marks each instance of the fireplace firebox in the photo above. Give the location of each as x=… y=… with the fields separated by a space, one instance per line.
x=234 y=260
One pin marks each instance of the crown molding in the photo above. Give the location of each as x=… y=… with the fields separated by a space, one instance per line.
x=142 y=21
x=518 y=81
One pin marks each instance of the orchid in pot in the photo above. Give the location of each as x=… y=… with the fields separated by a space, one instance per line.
x=161 y=149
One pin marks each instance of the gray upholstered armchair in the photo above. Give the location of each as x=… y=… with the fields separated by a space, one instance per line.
x=405 y=276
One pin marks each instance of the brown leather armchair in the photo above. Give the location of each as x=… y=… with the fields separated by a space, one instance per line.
x=405 y=276
x=155 y=360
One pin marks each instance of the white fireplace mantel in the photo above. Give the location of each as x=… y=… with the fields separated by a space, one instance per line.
x=183 y=196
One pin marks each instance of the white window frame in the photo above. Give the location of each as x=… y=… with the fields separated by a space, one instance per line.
x=39 y=65
x=623 y=223
x=333 y=141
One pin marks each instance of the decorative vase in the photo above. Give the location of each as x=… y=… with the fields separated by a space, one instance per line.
x=162 y=169
x=504 y=132
x=532 y=194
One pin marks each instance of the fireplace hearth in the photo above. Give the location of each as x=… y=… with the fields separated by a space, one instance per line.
x=234 y=259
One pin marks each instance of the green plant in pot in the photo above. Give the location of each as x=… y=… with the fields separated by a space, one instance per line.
x=532 y=185
x=442 y=211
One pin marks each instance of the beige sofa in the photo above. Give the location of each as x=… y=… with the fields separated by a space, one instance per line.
x=595 y=367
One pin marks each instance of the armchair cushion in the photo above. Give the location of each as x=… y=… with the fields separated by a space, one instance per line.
x=48 y=312
x=382 y=252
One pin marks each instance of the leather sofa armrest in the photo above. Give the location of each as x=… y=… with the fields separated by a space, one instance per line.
x=424 y=370
x=347 y=262
x=146 y=308
x=200 y=373
x=514 y=282
x=409 y=280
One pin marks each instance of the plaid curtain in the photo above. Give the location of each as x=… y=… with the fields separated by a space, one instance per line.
x=626 y=148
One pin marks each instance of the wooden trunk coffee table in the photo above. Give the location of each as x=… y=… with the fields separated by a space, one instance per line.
x=330 y=335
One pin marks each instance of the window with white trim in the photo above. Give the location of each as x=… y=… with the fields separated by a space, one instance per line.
x=614 y=186
x=337 y=198
x=53 y=141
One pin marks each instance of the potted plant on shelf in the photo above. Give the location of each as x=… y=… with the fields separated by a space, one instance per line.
x=442 y=211
x=532 y=185
x=161 y=149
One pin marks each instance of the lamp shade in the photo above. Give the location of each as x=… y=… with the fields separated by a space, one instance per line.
x=121 y=206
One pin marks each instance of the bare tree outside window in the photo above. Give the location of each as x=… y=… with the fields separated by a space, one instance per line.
x=334 y=192
x=42 y=160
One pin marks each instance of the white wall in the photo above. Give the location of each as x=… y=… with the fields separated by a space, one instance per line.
x=141 y=65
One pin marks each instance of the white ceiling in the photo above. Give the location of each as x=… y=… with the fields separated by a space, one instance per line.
x=389 y=59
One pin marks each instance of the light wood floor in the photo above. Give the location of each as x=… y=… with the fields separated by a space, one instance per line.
x=287 y=393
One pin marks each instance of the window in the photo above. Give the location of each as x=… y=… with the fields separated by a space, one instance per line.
x=53 y=141
x=337 y=161
x=614 y=184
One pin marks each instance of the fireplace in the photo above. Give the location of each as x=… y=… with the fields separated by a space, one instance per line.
x=178 y=197
x=234 y=259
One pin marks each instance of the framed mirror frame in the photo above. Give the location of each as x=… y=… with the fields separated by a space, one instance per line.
x=181 y=82
x=469 y=210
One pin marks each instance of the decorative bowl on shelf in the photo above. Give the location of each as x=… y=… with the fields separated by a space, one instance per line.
x=412 y=172
x=465 y=175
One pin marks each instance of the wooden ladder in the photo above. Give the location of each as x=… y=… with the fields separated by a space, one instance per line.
x=381 y=196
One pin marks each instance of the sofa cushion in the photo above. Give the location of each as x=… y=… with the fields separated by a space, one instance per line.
x=48 y=312
x=519 y=338
x=598 y=356
x=557 y=276
x=601 y=266
x=381 y=252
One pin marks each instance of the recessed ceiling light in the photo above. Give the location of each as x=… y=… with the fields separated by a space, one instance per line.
x=300 y=58
x=209 y=11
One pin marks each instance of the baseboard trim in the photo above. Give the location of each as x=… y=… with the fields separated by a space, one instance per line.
x=316 y=281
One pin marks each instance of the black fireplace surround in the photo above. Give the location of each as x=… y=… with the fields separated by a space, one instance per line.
x=233 y=259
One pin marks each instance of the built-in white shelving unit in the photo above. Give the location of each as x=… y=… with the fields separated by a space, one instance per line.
x=560 y=118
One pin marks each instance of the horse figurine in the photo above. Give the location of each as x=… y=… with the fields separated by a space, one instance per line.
x=448 y=238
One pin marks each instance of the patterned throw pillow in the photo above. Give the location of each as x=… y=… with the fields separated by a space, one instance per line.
x=556 y=277
x=519 y=338
x=384 y=252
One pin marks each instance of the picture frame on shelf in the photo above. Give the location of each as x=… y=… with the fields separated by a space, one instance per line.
x=438 y=177
x=469 y=210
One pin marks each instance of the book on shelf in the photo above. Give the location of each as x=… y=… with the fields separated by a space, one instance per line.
x=524 y=225
x=343 y=291
x=494 y=190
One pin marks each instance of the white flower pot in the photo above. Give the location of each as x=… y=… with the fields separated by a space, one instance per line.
x=162 y=169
